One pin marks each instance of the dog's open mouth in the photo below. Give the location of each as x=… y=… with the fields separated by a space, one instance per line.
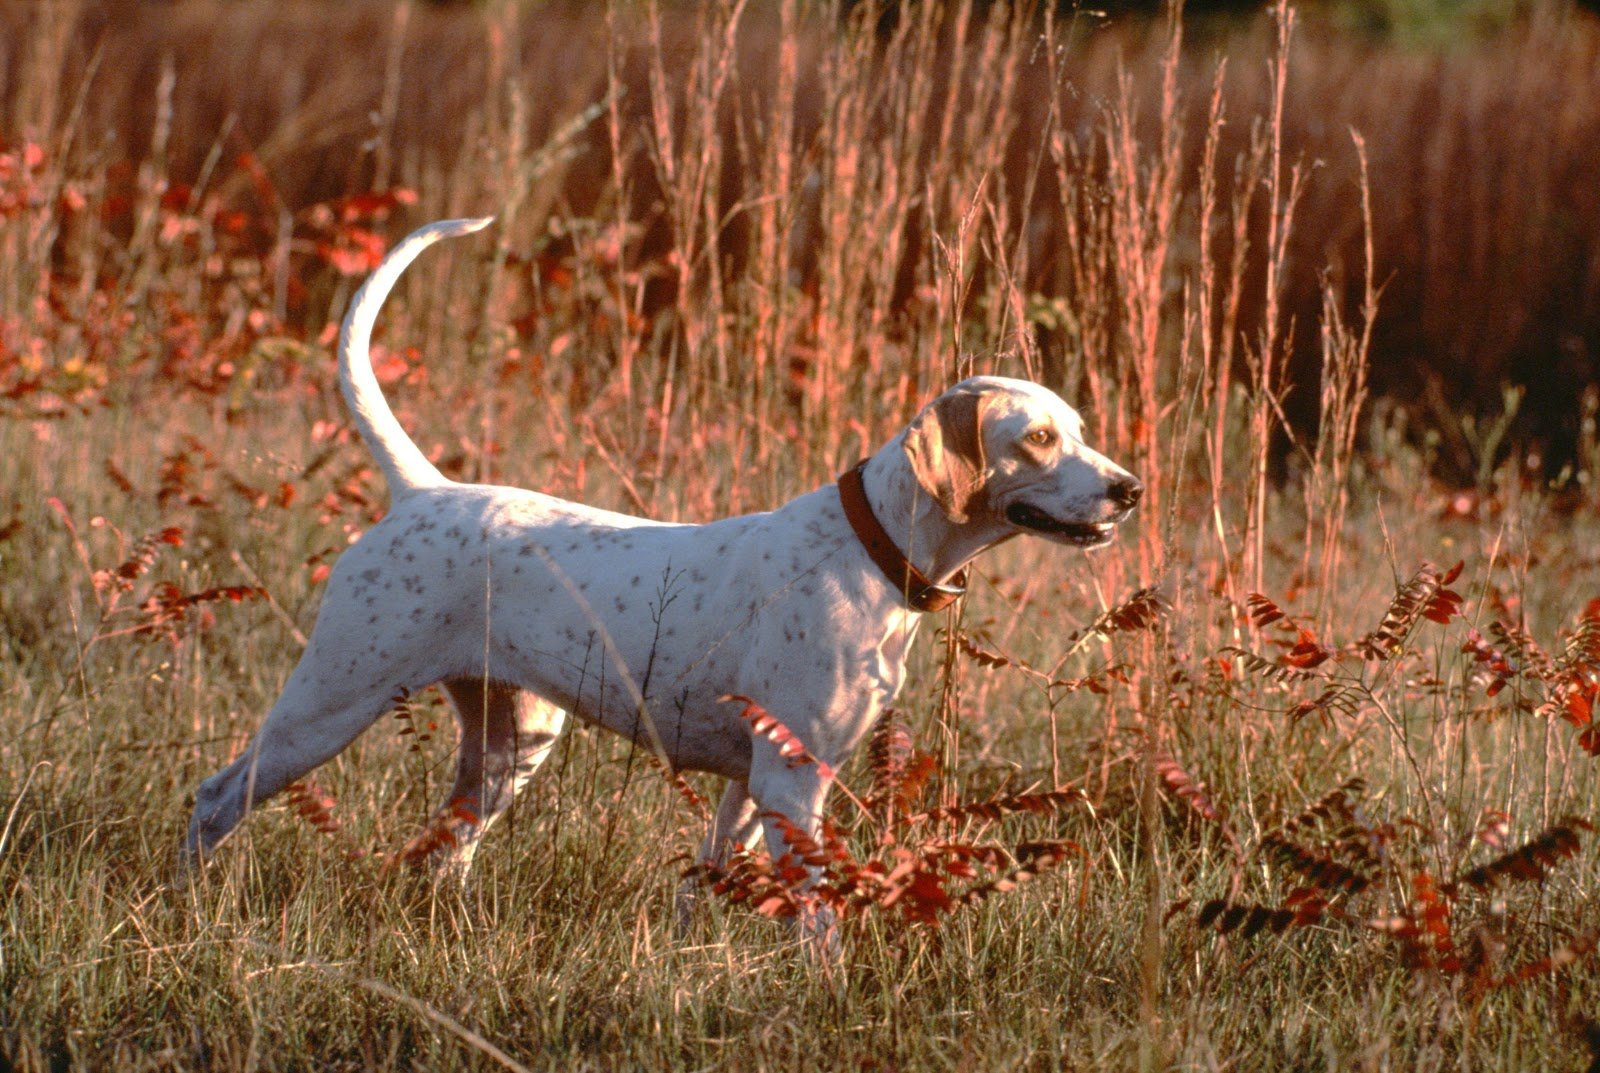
x=1082 y=534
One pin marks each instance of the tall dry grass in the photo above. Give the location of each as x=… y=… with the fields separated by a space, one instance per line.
x=1483 y=220
x=738 y=246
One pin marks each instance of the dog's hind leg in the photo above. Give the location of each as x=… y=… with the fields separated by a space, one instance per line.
x=506 y=733
x=736 y=824
x=310 y=724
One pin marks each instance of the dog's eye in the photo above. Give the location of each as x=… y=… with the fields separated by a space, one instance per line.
x=1042 y=437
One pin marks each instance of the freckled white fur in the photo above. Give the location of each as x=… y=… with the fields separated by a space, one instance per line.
x=526 y=607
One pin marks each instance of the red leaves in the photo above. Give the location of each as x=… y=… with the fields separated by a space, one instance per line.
x=1434 y=926
x=675 y=779
x=312 y=805
x=1335 y=804
x=889 y=750
x=373 y=205
x=1426 y=595
x=1559 y=958
x=1305 y=653
x=1262 y=611
x=1575 y=687
x=1316 y=868
x=457 y=823
x=407 y=718
x=168 y=606
x=913 y=882
x=164 y=606
x=1431 y=942
x=984 y=657
x=1258 y=667
x=1141 y=611
x=764 y=724
x=899 y=769
x=1033 y=859
x=1250 y=920
x=1099 y=683
x=996 y=808
x=1424 y=930
x=1532 y=861
x=1564 y=686
x=22 y=186
x=355 y=252
x=1306 y=657
x=343 y=243
x=1318 y=865
x=138 y=562
x=1184 y=786
x=750 y=879
x=1491 y=660
x=1332 y=699
x=315 y=806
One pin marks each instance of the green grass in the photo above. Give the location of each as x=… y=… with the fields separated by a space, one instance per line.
x=560 y=951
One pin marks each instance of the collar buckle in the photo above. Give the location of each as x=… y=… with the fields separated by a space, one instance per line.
x=921 y=593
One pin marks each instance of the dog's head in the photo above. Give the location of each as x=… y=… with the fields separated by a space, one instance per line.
x=1011 y=453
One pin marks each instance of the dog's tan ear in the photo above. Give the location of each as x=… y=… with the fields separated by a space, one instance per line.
x=945 y=445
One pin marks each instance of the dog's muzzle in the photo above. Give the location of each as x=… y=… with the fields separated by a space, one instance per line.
x=1082 y=534
x=1123 y=493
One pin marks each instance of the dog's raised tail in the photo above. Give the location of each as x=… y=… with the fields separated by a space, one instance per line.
x=403 y=463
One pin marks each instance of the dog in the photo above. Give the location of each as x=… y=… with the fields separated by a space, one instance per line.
x=525 y=607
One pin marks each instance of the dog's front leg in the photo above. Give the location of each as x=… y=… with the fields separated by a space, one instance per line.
x=793 y=797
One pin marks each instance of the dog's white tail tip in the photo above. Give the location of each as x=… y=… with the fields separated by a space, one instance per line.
x=452 y=228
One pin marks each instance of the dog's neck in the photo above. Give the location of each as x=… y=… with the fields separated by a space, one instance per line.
x=916 y=523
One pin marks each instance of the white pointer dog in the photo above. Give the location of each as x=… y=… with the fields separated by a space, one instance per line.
x=525 y=607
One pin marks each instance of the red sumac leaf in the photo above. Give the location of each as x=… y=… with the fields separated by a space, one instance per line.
x=1306 y=653
x=775 y=905
x=1577 y=709
x=984 y=657
x=1186 y=787
x=1209 y=912
x=1263 y=612
x=764 y=724
x=1589 y=740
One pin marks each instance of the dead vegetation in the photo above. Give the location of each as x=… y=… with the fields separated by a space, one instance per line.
x=1255 y=784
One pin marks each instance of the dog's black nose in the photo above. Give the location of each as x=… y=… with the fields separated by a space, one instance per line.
x=1125 y=492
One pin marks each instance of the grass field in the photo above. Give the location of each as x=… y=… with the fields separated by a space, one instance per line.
x=1331 y=805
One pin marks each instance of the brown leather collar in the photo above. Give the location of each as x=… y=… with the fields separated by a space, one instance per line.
x=920 y=593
